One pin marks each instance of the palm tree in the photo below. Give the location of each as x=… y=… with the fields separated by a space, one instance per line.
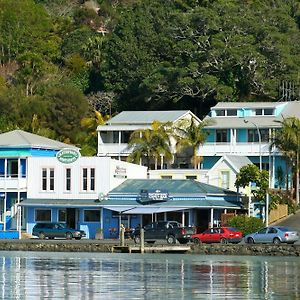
x=150 y=144
x=287 y=141
x=190 y=134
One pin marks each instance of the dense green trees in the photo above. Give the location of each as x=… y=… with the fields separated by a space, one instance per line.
x=148 y=54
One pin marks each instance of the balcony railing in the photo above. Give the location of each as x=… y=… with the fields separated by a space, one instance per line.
x=113 y=149
x=209 y=149
x=11 y=183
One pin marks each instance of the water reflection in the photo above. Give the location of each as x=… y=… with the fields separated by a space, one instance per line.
x=36 y=275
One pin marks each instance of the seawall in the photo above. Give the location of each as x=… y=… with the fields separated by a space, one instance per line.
x=106 y=246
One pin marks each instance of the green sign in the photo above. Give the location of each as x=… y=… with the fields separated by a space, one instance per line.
x=67 y=156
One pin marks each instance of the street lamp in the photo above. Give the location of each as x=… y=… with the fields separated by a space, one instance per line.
x=260 y=168
x=259 y=140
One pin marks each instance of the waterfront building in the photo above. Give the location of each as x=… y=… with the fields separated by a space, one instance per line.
x=246 y=129
x=43 y=180
x=113 y=137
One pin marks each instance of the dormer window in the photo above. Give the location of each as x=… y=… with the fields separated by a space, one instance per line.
x=227 y=112
x=264 y=111
x=220 y=112
x=231 y=112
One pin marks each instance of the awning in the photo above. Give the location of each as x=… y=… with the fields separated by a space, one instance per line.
x=144 y=210
x=67 y=203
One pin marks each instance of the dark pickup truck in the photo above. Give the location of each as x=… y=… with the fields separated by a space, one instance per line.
x=171 y=231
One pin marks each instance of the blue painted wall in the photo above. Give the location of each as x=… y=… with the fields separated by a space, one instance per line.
x=242 y=135
x=89 y=227
x=209 y=161
x=211 y=135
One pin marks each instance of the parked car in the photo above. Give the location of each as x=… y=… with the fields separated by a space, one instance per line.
x=222 y=235
x=53 y=230
x=273 y=234
x=171 y=231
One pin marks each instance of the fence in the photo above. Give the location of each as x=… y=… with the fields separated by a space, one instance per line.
x=280 y=212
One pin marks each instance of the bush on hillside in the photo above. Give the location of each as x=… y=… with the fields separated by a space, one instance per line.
x=246 y=224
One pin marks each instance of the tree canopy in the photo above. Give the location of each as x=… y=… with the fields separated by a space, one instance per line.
x=148 y=54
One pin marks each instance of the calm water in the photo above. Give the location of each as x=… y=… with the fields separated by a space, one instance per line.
x=35 y=275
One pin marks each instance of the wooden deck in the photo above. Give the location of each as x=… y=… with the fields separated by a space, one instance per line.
x=151 y=249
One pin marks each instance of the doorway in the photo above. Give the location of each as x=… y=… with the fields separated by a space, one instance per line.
x=71 y=218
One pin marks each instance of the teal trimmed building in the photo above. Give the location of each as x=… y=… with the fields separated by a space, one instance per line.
x=140 y=201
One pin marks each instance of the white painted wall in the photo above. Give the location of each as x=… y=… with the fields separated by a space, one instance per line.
x=105 y=179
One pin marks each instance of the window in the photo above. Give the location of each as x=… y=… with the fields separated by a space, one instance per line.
x=92 y=179
x=88 y=179
x=258 y=112
x=221 y=136
x=191 y=177
x=68 y=179
x=44 y=179
x=220 y=112
x=268 y=111
x=231 y=112
x=92 y=215
x=253 y=135
x=62 y=215
x=48 y=179
x=43 y=215
x=225 y=179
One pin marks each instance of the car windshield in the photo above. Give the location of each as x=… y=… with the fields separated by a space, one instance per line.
x=284 y=229
x=233 y=229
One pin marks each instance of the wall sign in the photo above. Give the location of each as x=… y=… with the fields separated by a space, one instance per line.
x=120 y=172
x=67 y=156
x=154 y=195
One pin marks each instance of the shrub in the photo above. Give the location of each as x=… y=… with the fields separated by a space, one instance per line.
x=246 y=224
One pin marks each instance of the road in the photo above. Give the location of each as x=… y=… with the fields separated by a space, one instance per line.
x=292 y=221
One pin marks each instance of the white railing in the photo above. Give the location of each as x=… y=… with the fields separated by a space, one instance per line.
x=113 y=149
x=238 y=148
x=13 y=183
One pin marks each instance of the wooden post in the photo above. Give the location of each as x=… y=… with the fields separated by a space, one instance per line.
x=142 y=245
x=122 y=235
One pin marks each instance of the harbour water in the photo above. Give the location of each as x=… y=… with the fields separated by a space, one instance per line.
x=44 y=275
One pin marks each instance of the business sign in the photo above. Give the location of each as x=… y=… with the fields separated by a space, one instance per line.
x=154 y=196
x=67 y=156
x=120 y=172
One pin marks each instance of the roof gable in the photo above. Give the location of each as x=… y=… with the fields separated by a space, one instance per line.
x=23 y=139
x=147 y=117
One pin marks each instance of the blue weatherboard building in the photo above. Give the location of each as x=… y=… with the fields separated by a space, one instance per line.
x=246 y=129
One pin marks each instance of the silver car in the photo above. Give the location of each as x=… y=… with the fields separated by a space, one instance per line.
x=273 y=234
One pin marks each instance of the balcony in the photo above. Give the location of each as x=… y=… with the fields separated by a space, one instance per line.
x=13 y=183
x=113 y=149
x=246 y=149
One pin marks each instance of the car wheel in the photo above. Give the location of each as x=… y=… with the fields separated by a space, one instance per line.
x=197 y=241
x=78 y=238
x=250 y=241
x=276 y=241
x=42 y=236
x=69 y=236
x=51 y=238
x=137 y=239
x=224 y=241
x=171 y=239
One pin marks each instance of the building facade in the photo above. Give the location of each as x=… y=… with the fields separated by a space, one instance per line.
x=47 y=181
x=246 y=129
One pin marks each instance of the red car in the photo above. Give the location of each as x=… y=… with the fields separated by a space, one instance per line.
x=222 y=235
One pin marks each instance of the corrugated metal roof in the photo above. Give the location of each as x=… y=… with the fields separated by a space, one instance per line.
x=147 y=117
x=23 y=139
x=238 y=161
x=173 y=186
x=224 y=105
x=238 y=122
